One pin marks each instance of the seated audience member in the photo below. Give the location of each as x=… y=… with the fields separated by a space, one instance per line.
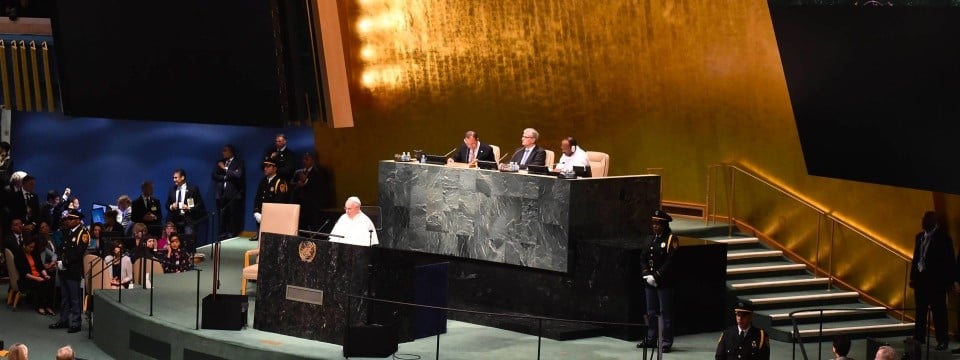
x=529 y=153
x=146 y=249
x=48 y=251
x=34 y=279
x=355 y=227
x=887 y=352
x=96 y=235
x=17 y=351
x=572 y=156
x=66 y=353
x=119 y=267
x=472 y=150
x=139 y=233
x=175 y=259
x=111 y=227
x=841 y=347
x=168 y=230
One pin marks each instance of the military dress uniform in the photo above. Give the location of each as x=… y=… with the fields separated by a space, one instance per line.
x=656 y=257
x=274 y=190
x=753 y=345
x=71 y=252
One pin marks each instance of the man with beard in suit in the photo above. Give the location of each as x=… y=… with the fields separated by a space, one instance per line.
x=184 y=203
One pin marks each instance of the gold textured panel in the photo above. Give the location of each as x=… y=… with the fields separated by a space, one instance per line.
x=676 y=85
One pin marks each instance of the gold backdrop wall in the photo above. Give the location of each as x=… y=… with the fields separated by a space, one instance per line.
x=654 y=83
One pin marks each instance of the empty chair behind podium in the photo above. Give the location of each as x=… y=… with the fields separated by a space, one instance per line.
x=496 y=152
x=277 y=219
x=550 y=156
x=599 y=163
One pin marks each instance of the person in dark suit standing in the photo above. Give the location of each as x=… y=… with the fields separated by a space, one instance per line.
x=472 y=150
x=146 y=209
x=307 y=193
x=932 y=273
x=272 y=189
x=76 y=239
x=25 y=205
x=743 y=341
x=282 y=156
x=529 y=153
x=656 y=257
x=228 y=178
x=184 y=203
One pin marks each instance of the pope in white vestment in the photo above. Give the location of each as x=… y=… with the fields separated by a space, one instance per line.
x=355 y=227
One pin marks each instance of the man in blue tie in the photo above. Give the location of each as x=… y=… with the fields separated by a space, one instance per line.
x=529 y=153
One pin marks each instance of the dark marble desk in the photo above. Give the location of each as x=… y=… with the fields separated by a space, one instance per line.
x=511 y=218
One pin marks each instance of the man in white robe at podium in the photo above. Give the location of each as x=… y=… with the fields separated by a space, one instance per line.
x=355 y=227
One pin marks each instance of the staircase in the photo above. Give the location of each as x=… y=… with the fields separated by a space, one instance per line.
x=778 y=286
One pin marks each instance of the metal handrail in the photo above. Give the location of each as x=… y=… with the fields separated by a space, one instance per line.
x=821 y=214
x=829 y=215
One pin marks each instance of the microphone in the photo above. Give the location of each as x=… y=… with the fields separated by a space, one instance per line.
x=503 y=157
x=370 y=241
x=320 y=229
x=450 y=152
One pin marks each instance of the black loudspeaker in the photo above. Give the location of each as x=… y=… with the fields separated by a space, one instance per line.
x=224 y=312
x=370 y=341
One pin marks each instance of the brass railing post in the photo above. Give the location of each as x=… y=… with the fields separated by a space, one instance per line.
x=817 y=256
x=732 y=201
x=833 y=235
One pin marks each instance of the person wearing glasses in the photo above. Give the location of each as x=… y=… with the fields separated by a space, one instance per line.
x=354 y=226
x=529 y=153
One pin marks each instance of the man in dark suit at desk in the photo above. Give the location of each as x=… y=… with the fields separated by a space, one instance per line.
x=529 y=153
x=472 y=150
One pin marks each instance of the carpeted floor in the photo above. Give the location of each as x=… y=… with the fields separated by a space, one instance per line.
x=462 y=341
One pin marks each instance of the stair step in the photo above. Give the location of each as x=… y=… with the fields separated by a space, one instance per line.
x=764 y=268
x=794 y=297
x=734 y=240
x=779 y=316
x=776 y=284
x=858 y=329
x=827 y=313
x=752 y=254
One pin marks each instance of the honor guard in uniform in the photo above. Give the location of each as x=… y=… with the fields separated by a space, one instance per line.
x=656 y=256
x=743 y=341
x=272 y=189
x=76 y=239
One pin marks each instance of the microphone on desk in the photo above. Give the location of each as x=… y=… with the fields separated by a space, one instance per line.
x=503 y=157
x=370 y=241
x=320 y=229
x=450 y=152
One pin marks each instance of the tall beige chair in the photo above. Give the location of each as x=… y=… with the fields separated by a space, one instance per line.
x=93 y=276
x=599 y=163
x=496 y=153
x=550 y=156
x=14 y=295
x=278 y=219
x=138 y=278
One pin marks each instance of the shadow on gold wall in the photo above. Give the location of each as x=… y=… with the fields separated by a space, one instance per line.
x=660 y=83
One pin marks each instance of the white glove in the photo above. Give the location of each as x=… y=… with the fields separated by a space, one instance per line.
x=257 y=216
x=650 y=280
x=60 y=266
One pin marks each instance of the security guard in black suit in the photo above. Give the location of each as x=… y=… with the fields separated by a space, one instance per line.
x=76 y=239
x=743 y=341
x=273 y=188
x=658 y=251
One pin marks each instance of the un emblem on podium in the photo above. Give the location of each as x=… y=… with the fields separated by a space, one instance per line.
x=308 y=251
